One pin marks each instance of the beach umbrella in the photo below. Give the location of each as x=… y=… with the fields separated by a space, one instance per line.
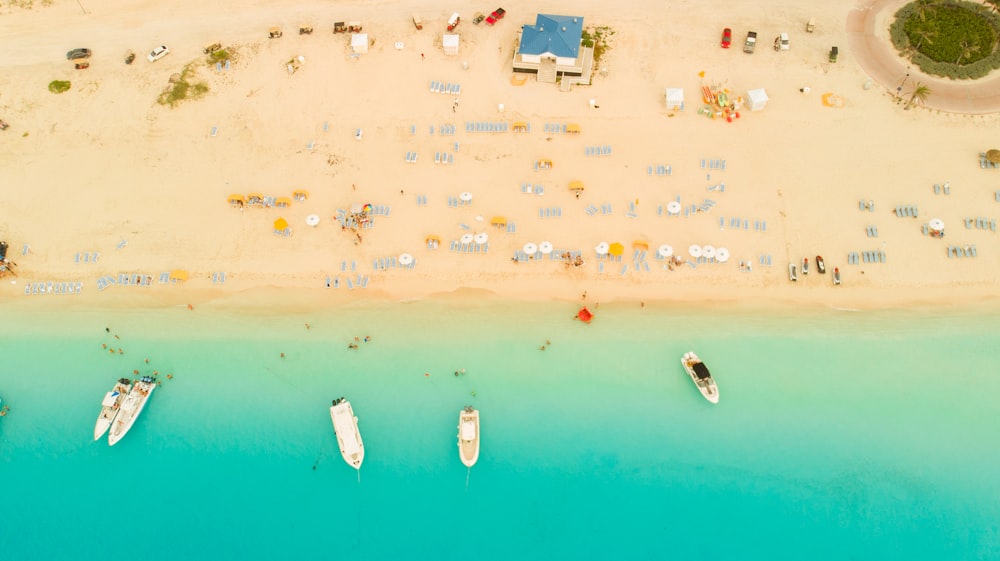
x=665 y=251
x=993 y=156
x=405 y=259
x=694 y=251
x=467 y=238
x=481 y=237
x=312 y=220
x=367 y=207
x=530 y=248
x=498 y=221
x=280 y=224
x=602 y=248
x=301 y=194
x=936 y=224
x=674 y=207
x=722 y=255
x=576 y=186
x=708 y=251
x=178 y=275
x=236 y=199
x=545 y=247
x=616 y=249
x=465 y=196
x=640 y=244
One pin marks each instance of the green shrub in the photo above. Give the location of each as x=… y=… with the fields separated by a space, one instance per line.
x=954 y=39
x=183 y=89
x=59 y=86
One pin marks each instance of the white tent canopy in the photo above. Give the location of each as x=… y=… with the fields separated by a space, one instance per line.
x=450 y=43
x=756 y=99
x=359 y=42
x=675 y=98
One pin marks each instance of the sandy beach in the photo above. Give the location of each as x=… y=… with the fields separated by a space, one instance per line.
x=103 y=181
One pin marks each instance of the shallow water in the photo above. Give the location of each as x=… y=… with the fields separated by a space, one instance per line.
x=838 y=435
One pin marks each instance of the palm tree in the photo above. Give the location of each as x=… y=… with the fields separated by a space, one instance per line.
x=919 y=94
x=924 y=35
x=967 y=50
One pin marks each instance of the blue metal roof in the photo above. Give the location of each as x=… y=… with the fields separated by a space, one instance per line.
x=559 y=35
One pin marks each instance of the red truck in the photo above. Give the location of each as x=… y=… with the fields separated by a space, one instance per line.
x=496 y=16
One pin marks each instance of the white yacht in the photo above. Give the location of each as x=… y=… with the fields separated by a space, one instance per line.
x=468 y=436
x=700 y=375
x=109 y=407
x=130 y=408
x=345 y=426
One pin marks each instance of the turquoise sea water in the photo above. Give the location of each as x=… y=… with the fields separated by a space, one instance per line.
x=839 y=435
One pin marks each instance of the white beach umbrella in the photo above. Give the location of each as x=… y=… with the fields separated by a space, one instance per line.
x=465 y=196
x=722 y=255
x=936 y=224
x=545 y=247
x=467 y=238
x=602 y=248
x=481 y=237
x=674 y=207
x=530 y=248
x=708 y=251
x=695 y=251
x=405 y=259
x=665 y=251
x=312 y=220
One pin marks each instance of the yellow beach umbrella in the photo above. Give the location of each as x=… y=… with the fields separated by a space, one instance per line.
x=616 y=249
x=576 y=186
x=280 y=224
x=572 y=128
x=498 y=221
x=178 y=275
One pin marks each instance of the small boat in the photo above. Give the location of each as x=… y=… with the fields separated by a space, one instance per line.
x=700 y=375
x=3 y=409
x=836 y=276
x=585 y=315
x=109 y=407
x=820 y=265
x=792 y=275
x=130 y=408
x=805 y=265
x=345 y=427
x=468 y=436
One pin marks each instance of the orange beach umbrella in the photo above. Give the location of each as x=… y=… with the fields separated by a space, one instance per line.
x=639 y=244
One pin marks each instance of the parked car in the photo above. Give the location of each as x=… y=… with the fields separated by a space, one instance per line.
x=78 y=53
x=478 y=18
x=751 y=42
x=727 y=38
x=158 y=53
x=496 y=16
x=781 y=42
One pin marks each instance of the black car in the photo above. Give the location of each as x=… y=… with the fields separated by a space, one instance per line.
x=78 y=53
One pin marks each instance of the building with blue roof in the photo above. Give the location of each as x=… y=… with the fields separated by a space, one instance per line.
x=553 y=47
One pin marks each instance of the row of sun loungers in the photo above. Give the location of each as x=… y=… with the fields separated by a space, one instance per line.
x=445 y=130
x=53 y=288
x=986 y=164
x=283 y=233
x=445 y=88
x=981 y=223
x=720 y=187
x=597 y=150
x=528 y=188
x=411 y=157
x=219 y=67
x=444 y=158
x=382 y=210
x=866 y=205
x=736 y=222
x=87 y=257
x=592 y=210
x=706 y=205
x=866 y=256
x=550 y=212
x=219 y=277
x=385 y=263
x=457 y=202
x=959 y=251
x=421 y=200
x=660 y=170
x=511 y=228
x=472 y=247
x=361 y=281
x=343 y=265
x=939 y=189
x=872 y=231
x=713 y=164
x=127 y=279
x=485 y=126
x=764 y=260
x=554 y=128
x=996 y=197
x=906 y=210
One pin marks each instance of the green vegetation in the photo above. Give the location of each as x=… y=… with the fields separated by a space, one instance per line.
x=951 y=38
x=919 y=95
x=59 y=86
x=598 y=38
x=220 y=55
x=183 y=88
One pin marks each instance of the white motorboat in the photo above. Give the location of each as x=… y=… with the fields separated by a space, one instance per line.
x=345 y=426
x=130 y=408
x=468 y=436
x=700 y=375
x=109 y=407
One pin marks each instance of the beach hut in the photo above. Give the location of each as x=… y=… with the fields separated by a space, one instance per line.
x=519 y=126
x=237 y=200
x=572 y=128
x=359 y=43
x=300 y=194
x=433 y=242
x=756 y=99
x=576 y=187
x=543 y=164
x=282 y=202
x=449 y=41
x=178 y=275
x=675 y=98
x=498 y=221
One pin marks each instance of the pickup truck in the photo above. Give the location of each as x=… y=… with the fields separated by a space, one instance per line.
x=496 y=16
x=750 y=43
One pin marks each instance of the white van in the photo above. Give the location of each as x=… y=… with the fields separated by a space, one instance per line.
x=781 y=42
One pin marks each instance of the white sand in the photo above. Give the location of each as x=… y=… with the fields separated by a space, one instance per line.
x=102 y=163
